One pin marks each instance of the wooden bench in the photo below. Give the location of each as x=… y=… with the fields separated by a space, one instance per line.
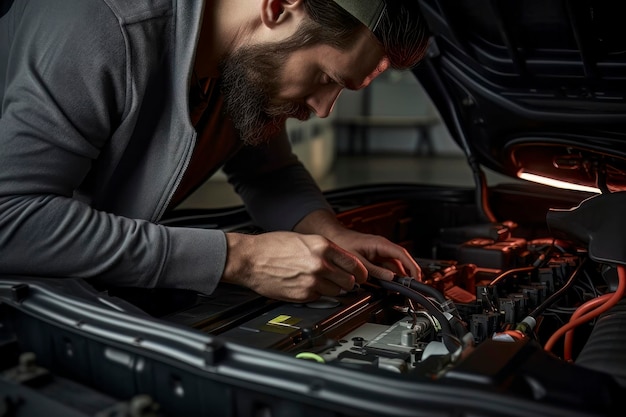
x=358 y=127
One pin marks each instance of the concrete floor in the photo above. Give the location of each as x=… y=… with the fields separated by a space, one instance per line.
x=357 y=170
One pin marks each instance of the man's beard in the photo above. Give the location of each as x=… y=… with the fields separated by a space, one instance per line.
x=249 y=82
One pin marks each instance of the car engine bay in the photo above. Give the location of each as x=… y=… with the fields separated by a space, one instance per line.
x=494 y=305
x=491 y=311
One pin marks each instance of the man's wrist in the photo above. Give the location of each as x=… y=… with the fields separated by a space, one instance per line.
x=236 y=267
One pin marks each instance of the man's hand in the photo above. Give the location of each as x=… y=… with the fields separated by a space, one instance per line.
x=290 y=266
x=381 y=257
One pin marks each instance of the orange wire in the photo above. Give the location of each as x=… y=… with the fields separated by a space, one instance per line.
x=615 y=297
x=588 y=306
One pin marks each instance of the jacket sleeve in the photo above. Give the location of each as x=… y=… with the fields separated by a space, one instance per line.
x=66 y=89
x=276 y=188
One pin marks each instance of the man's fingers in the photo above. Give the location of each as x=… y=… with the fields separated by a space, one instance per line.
x=379 y=250
x=405 y=265
x=394 y=265
x=378 y=271
x=346 y=263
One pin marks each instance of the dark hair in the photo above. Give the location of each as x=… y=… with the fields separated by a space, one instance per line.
x=402 y=30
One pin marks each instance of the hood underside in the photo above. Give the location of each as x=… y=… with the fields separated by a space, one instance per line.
x=532 y=86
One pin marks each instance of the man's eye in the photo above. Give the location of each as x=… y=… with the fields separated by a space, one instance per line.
x=326 y=79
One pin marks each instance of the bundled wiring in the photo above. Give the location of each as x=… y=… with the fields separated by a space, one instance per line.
x=583 y=318
x=445 y=305
x=527 y=325
x=446 y=327
x=588 y=306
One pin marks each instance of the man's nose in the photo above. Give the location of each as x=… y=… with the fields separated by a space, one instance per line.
x=323 y=100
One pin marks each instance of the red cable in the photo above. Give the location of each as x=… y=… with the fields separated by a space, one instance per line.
x=588 y=306
x=615 y=297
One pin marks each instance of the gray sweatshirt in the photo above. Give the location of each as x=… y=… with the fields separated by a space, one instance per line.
x=95 y=136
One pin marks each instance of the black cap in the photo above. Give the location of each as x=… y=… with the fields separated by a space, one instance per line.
x=366 y=11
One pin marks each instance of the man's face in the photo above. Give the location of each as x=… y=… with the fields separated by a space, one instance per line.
x=264 y=85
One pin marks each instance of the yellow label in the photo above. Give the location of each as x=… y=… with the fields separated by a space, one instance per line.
x=279 y=319
x=283 y=324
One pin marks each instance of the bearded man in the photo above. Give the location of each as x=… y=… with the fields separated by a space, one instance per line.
x=112 y=111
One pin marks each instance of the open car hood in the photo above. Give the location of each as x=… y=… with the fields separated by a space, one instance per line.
x=532 y=86
x=523 y=86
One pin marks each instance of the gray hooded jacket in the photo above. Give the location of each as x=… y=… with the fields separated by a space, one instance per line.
x=95 y=136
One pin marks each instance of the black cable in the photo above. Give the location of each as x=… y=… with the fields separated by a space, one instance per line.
x=558 y=294
x=445 y=304
x=421 y=287
x=591 y=286
x=446 y=328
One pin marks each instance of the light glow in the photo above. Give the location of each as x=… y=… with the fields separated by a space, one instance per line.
x=556 y=183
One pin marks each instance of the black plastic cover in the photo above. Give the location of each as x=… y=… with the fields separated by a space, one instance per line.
x=605 y=349
x=598 y=223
